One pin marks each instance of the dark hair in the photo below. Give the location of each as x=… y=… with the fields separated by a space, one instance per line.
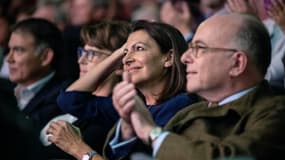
x=109 y=35
x=45 y=34
x=168 y=38
x=253 y=38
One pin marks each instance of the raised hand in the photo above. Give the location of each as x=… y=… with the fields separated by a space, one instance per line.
x=124 y=100
x=141 y=120
x=123 y=97
x=136 y=119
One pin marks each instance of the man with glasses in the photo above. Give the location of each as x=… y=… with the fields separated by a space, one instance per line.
x=226 y=64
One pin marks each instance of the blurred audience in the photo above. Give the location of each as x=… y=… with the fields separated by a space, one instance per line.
x=211 y=7
x=15 y=127
x=146 y=10
x=276 y=72
x=86 y=11
x=183 y=15
x=53 y=11
x=276 y=10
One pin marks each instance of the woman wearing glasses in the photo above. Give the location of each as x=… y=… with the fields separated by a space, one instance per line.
x=152 y=58
x=100 y=41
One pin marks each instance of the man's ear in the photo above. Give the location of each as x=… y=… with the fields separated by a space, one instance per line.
x=239 y=64
x=168 y=61
x=47 y=57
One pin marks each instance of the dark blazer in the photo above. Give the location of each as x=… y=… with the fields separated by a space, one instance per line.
x=253 y=125
x=43 y=107
x=15 y=128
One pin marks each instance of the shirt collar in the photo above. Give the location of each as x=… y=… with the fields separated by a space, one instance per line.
x=188 y=37
x=35 y=87
x=235 y=96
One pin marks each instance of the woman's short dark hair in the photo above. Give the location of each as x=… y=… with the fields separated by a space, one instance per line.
x=168 y=38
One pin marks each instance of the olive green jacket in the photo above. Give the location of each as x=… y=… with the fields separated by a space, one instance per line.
x=253 y=125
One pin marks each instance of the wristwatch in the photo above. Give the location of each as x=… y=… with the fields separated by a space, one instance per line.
x=89 y=155
x=154 y=134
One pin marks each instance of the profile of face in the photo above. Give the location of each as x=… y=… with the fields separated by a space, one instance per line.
x=24 y=61
x=208 y=59
x=144 y=60
x=89 y=57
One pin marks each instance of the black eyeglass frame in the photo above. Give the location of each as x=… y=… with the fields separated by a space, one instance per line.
x=194 y=49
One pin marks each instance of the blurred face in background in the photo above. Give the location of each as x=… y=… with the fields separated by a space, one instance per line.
x=81 y=12
x=45 y=12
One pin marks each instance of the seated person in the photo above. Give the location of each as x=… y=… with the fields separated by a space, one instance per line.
x=151 y=56
x=14 y=127
x=35 y=47
x=241 y=117
x=100 y=41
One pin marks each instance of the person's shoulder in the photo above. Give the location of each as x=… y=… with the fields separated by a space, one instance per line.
x=275 y=100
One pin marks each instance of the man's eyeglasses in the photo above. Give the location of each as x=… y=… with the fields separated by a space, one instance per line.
x=89 y=54
x=194 y=49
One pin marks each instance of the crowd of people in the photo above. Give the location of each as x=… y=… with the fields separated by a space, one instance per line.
x=123 y=79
